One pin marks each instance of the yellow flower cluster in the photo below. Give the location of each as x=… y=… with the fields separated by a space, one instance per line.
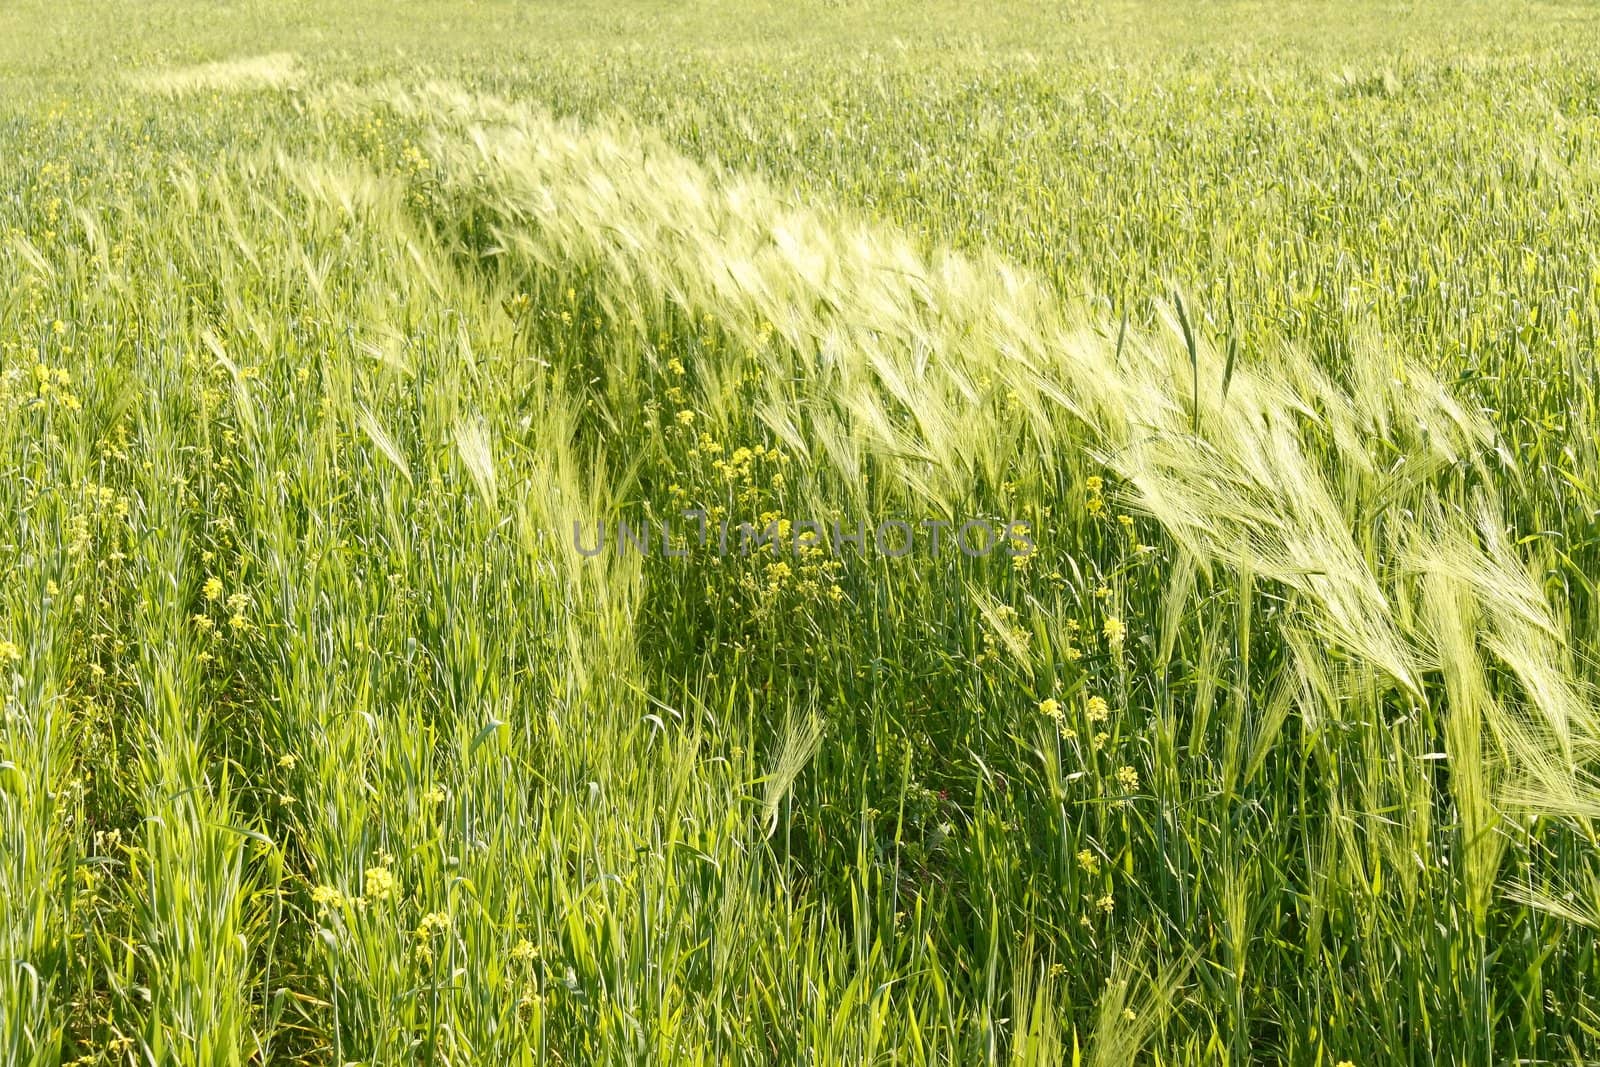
x=1051 y=709
x=380 y=884
x=57 y=384
x=749 y=470
x=811 y=579
x=236 y=604
x=414 y=159
x=326 y=896
x=101 y=505
x=1116 y=632
x=1094 y=503
x=433 y=923
x=1069 y=645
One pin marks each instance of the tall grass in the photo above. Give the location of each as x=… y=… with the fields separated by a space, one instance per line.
x=323 y=743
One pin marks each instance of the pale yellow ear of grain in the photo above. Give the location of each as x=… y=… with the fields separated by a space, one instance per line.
x=31 y=255
x=800 y=743
x=477 y=454
x=277 y=70
x=382 y=441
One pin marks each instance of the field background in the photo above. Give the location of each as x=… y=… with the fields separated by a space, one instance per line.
x=321 y=323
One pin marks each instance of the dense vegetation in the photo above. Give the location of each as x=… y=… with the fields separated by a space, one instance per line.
x=1271 y=736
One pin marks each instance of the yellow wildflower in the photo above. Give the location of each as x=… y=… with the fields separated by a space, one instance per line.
x=381 y=884
x=327 y=896
x=1115 y=631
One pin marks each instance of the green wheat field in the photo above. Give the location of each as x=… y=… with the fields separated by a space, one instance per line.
x=1260 y=336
